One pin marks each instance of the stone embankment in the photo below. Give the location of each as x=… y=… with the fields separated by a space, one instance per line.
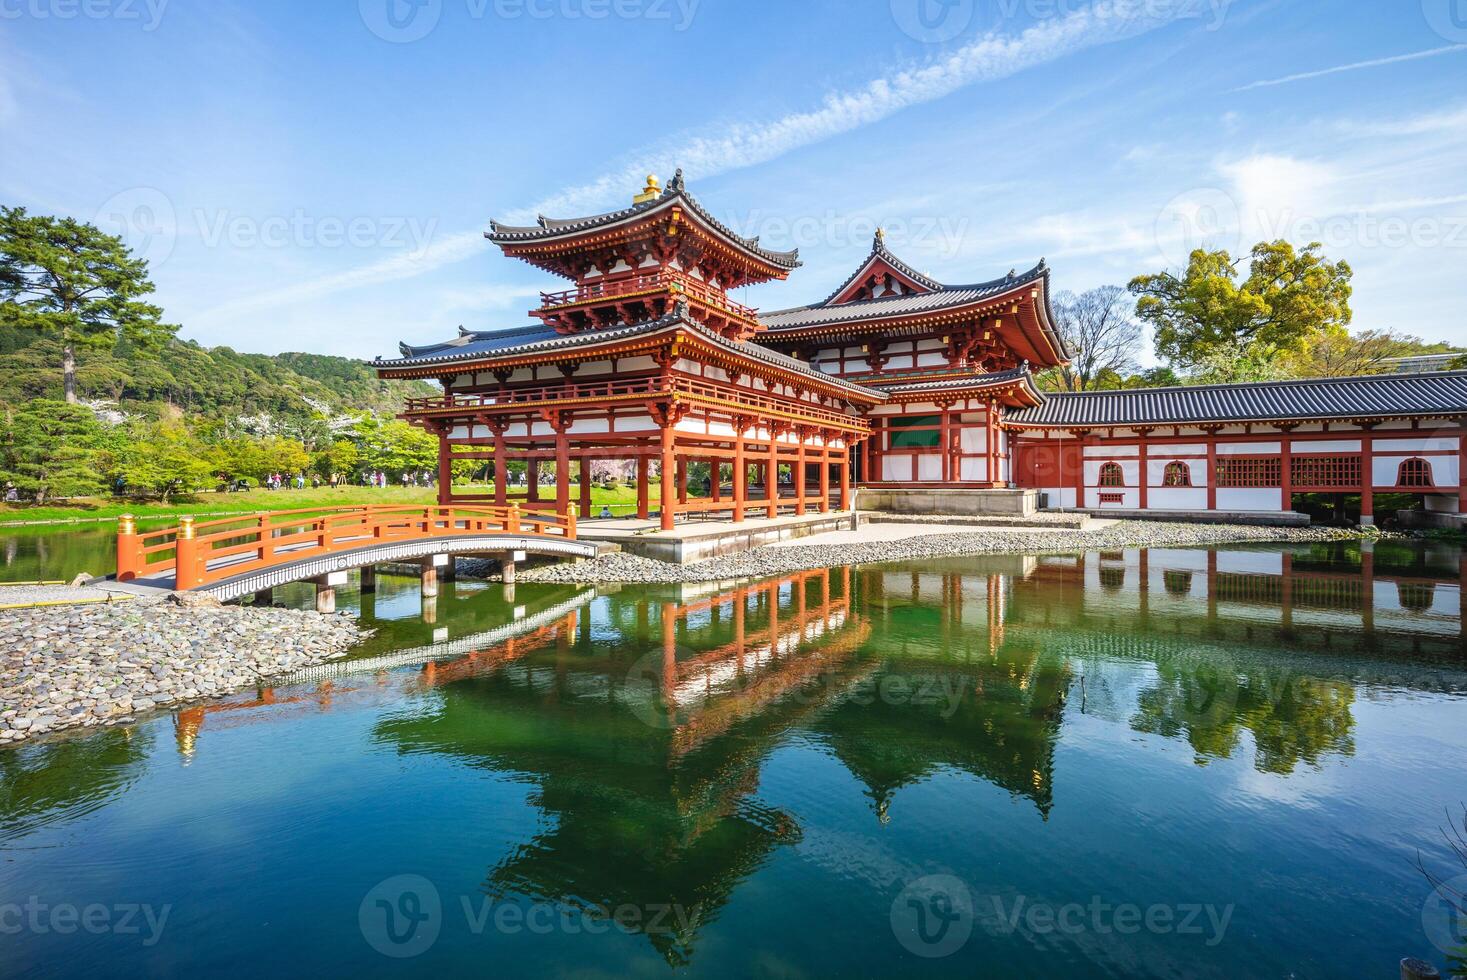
x=90 y=665
x=796 y=557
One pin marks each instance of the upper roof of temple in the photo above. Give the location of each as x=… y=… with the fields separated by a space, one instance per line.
x=470 y=346
x=659 y=210
x=1367 y=397
x=886 y=295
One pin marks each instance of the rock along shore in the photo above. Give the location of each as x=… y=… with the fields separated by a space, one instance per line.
x=92 y=665
x=761 y=562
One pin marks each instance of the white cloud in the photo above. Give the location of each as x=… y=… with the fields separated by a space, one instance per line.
x=1354 y=66
x=1272 y=191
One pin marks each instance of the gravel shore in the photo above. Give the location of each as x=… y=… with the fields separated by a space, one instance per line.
x=89 y=665
x=776 y=561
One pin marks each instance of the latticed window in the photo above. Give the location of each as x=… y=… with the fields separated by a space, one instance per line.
x=1177 y=583
x=1325 y=472
x=1414 y=472
x=1111 y=475
x=1249 y=471
x=1177 y=474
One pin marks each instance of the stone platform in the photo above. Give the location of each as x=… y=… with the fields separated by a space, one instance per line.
x=699 y=540
x=1003 y=502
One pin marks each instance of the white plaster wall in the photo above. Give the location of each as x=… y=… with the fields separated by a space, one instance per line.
x=1130 y=498
x=896 y=467
x=1444 y=470
x=973 y=440
x=1240 y=498
x=1156 y=471
x=931 y=360
x=1327 y=446
x=634 y=423
x=1249 y=448
x=590 y=425
x=1107 y=451
x=973 y=470
x=1177 y=498
x=1059 y=496
x=1130 y=467
x=1412 y=446
x=1179 y=449
x=929 y=468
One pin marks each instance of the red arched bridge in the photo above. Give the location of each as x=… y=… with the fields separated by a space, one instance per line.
x=237 y=556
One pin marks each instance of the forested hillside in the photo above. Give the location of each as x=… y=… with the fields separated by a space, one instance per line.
x=206 y=384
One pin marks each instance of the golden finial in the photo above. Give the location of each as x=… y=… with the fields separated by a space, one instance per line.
x=649 y=193
x=127 y=524
x=880 y=234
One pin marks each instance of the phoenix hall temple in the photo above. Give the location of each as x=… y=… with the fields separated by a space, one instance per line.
x=918 y=394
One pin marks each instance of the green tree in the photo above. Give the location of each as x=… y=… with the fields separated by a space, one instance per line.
x=165 y=459
x=66 y=279
x=339 y=457
x=51 y=450
x=393 y=446
x=1287 y=299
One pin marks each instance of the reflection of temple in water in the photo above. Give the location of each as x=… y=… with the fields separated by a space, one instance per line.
x=645 y=743
x=951 y=693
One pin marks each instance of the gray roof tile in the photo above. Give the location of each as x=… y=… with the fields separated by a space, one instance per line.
x=546 y=228
x=1372 y=396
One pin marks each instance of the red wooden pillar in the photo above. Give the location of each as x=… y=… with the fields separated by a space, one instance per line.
x=740 y=479
x=1462 y=489
x=1145 y=477
x=1286 y=470
x=562 y=471
x=944 y=440
x=643 y=507
x=845 y=479
x=501 y=469
x=1367 y=477
x=669 y=467
x=1212 y=470
x=825 y=474
x=1079 y=472
x=801 y=435
x=682 y=479
x=715 y=477
x=445 y=469
x=532 y=479
x=771 y=478
x=585 y=486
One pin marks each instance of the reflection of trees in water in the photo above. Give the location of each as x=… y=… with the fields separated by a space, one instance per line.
x=64 y=778
x=1210 y=701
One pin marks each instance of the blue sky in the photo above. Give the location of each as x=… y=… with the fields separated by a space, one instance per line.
x=317 y=176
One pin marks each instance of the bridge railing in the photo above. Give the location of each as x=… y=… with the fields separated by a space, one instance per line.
x=200 y=552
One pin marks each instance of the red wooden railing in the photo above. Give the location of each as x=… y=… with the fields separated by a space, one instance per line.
x=632 y=387
x=198 y=552
x=617 y=288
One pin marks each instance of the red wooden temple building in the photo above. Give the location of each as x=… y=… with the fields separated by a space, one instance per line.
x=918 y=392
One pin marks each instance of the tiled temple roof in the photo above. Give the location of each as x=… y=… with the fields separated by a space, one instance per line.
x=940 y=298
x=1372 y=396
x=476 y=345
x=675 y=192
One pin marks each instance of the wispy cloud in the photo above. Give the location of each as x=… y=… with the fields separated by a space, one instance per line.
x=445 y=251
x=1354 y=66
x=989 y=58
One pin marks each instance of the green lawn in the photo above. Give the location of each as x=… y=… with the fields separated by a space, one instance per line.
x=622 y=500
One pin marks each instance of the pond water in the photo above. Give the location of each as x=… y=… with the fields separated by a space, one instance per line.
x=1169 y=763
